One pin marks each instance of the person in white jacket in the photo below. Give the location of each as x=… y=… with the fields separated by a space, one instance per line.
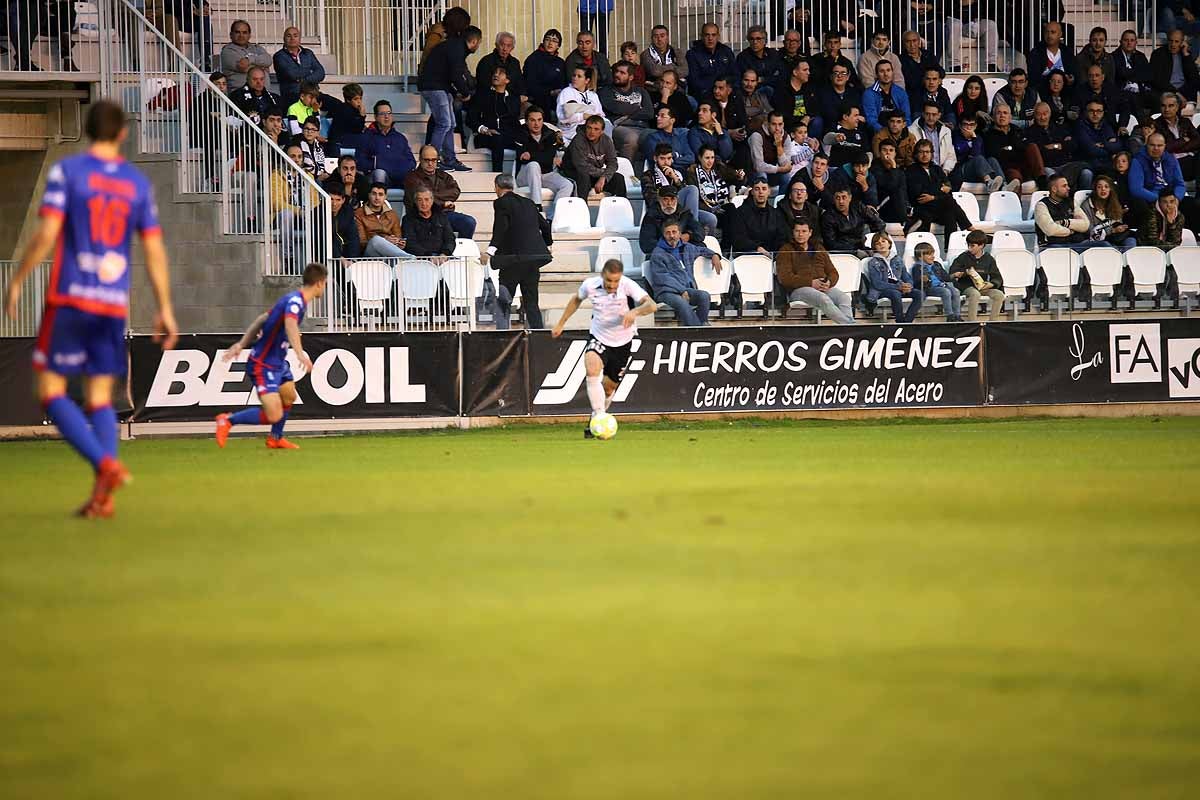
x=929 y=126
x=577 y=103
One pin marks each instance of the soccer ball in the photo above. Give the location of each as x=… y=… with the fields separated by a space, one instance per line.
x=604 y=426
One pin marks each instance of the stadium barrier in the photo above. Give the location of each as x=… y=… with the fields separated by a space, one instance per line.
x=32 y=303
x=403 y=294
x=690 y=370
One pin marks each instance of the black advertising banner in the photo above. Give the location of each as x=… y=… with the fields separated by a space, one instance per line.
x=354 y=375
x=1093 y=361
x=495 y=374
x=780 y=368
x=18 y=402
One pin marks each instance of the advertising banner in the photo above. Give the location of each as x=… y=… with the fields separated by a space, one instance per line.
x=781 y=368
x=1093 y=361
x=354 y=375
x=495 y=374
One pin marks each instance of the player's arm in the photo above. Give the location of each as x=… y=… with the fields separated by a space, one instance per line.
x=36 y=251
x=156 y=268
x=647 y=306
x=249 y=336
x=293 y=333
x=572 y=307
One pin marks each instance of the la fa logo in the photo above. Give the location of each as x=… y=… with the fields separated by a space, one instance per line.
x=560 y=387
x=1135 y=353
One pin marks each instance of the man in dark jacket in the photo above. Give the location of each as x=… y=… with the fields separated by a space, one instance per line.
x=708 y=60
x=585 y=54
x=444 y=79
x=1096 y=141
x=1173 y=68
x=796 y=99
x=494 y=117
x=668 y=206
x=591 y=161
x=545 y=74
x=845 y=225
x=502 y=57
x=758 y=225
x=355 y=186
x=760 y=58
x=254 y=99
x=295 y=64
x=836 y=96
x=1048 y=55
x=347 y=118
x=345 y=229
x=426 y=232
x=914 y=62
x=1093 y=87
x=831 y=56
x=445 y=192
x=1131 y=72
x=385 y=154
x=630 y=110
x=538 y=153
x=520 y=247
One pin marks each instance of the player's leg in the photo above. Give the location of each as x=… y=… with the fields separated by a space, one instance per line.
x=287 y=396
x=97 y=392
x=266 y=384
x=68 y=417
x=594 y=365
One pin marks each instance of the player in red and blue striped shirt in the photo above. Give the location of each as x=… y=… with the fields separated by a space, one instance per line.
x=94 y=203
x=268 y=367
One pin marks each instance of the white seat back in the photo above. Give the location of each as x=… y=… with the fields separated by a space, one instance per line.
x=1017 y=268
x=954 y=87
x=571 y=215
x=1003 y=207
x=616 y=215
x=1034 y=199
x=849 y=270
x=712 y=244
x=463 y=278
x=617 y=247
x=755 y=273
x=1007 y=240
x=372 y=281
x=1186 y=261
x=625 y=167
x=958 y=244
x=1149 y=267
x=1081 y=195
x=969 y=203
x=1189 y=238
x=418 y=279
x=1061 y=265
x=993 y=85
x=707 y=278
x=1104 y=266
x=917 y=237
x=737 y=200
x=466 y=248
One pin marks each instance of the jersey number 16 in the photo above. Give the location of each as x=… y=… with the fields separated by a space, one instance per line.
x=108 y=218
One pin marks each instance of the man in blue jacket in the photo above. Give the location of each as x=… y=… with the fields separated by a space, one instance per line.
x=385 y=154
x=672 y=279
x=681 y=147
x=708 y=60
x=1152 y=170
x=884 y=96
x=294 y=64
x=1095 y=140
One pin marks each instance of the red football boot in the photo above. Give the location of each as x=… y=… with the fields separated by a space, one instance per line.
x=281 y=444
x=223 y=428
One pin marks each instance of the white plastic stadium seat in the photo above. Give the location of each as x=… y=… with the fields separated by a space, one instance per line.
x=372 y=282
x=463 y=278
x=1104 y=266
x=954 y=87
x=1061 y=267
x=617 y=247
x=466 y=248
x=1004 y=209
x=849 y=271
x=1186 y=261
x=1017 y=268
x=1149 y=268
x=633 y=187
x=958 y=245
x=756 y=273
x=616 y=216
x=711 y=243
x=993 y=85
x=1189 y=238
x=917 y=237
x=571 y=215
x=1007 y=240
x=1080 y=196
x=737 y=200
x=1034 y=199
x=969 y=203
x=707 y=279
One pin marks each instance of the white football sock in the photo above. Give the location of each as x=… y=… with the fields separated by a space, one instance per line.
x=595 y=393
x=608 y=401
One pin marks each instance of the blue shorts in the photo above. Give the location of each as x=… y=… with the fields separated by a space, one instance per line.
x=268 y=378
x=74 y=342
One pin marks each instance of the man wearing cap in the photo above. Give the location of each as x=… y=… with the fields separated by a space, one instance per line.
x=668 y=206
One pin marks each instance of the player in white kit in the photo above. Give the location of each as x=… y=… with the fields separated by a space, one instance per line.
x=614 y=324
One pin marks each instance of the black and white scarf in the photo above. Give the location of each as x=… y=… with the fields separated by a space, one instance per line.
x=714 y=191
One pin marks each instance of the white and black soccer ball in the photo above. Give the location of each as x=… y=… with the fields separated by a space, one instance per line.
x=604 y=426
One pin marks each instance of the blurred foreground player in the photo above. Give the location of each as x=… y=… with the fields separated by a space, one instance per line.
x=93 y=204
x=614 y=325
x=268 y=367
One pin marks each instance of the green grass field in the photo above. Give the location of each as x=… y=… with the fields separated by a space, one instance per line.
x=786 y=610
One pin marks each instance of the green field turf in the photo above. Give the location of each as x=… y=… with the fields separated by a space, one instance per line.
x=792 y=610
